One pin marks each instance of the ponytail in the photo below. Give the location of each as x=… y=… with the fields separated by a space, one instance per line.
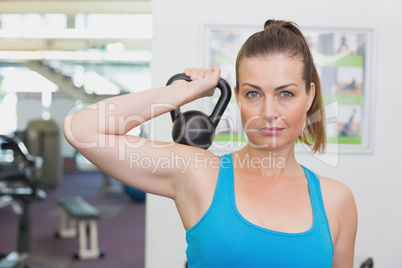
x=313 y=134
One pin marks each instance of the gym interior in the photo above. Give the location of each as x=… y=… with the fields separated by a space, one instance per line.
x=59 y=56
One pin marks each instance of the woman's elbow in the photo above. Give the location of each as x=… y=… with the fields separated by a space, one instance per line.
x=74 y=132
x=67 y=128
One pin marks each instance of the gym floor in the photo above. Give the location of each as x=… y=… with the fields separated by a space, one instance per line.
x=121 y=228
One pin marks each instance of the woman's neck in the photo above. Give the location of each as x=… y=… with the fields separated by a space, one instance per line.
x=274 y=163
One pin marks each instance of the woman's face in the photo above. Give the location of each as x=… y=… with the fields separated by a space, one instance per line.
x=272 y=99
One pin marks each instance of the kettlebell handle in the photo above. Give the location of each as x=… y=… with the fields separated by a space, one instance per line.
x=220 y=106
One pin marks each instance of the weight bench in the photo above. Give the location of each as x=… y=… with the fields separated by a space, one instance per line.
x=78 y=217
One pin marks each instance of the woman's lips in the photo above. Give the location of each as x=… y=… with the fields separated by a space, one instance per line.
x=270 y=131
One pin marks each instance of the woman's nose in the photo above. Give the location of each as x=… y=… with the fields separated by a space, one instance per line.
x=269 y=110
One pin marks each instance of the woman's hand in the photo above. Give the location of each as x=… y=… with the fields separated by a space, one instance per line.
x=204 y=81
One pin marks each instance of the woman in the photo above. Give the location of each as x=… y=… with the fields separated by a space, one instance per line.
x=237 y=210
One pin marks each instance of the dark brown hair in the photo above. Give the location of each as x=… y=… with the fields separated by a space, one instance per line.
x=284 y=37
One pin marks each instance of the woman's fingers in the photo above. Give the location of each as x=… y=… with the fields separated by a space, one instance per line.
x=205 y=80
x=196 y=73
x=187 y=72
x=216 y=71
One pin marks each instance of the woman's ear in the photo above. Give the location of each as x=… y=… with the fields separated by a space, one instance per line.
x=310 y=96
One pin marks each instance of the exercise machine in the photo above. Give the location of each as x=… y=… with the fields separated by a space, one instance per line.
x=19 y=173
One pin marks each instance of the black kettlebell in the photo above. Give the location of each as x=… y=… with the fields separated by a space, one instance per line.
x=195 y=128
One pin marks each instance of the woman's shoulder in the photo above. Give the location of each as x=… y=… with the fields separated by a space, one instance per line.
x=337 y=195
x=332 y=187
x=335 y=187
x=198 y=188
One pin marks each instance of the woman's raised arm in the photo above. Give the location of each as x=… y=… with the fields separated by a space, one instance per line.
x=99 y=133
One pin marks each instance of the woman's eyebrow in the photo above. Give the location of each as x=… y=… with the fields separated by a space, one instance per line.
x=253 y=86
x=276 y=89
x=285 y=86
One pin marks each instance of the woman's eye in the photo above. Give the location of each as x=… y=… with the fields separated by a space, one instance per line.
x=286 y=94
x=252 y=94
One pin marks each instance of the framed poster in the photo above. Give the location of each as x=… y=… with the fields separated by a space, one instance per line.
x=343 y=57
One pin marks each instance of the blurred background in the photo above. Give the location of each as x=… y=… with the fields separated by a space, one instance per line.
x=57 y=57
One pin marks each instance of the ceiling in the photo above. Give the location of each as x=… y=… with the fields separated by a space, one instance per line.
x=72 y=7
x=34 y=49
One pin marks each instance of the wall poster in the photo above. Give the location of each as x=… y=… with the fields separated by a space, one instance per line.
x=343 y=60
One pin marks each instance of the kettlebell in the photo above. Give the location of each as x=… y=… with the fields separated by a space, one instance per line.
x=195 y=128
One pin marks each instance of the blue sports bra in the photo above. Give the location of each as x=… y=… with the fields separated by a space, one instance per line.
x=223 y=238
